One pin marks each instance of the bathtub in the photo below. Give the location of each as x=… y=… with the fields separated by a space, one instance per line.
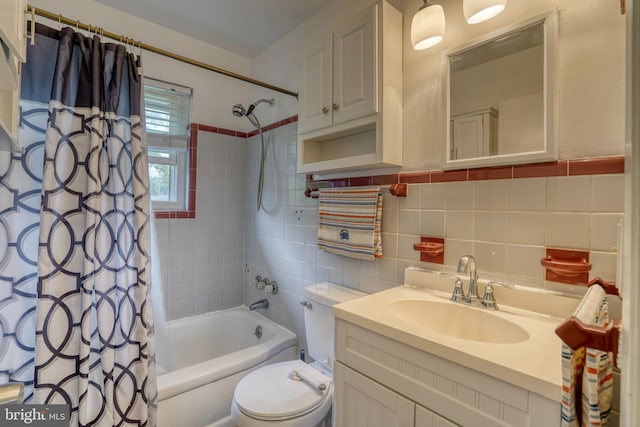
x=200 y=360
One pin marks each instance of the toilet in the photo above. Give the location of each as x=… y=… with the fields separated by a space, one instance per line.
x=274 y=395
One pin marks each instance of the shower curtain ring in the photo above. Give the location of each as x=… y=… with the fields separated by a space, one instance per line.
x=59 y=22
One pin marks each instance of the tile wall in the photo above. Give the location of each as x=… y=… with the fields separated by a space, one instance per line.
x=505 y=223
x=208 y=263
x=201 y=258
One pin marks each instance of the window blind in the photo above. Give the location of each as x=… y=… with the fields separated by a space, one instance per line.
x=166 y=108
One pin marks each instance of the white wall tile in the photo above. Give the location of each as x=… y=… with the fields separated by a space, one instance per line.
x=569 y=194
x=491 y=259
x=454 y=249
x=607 y=193
x=491 y=195
x=523 y=263
x=432 y=223
x=603 y=264
x=528 y=194
x=490 y=226
x=604 y=231
x=409 y=222
x=526 y=228
x=459 y=225
x=459 y=195
x=432 y=195
x=568 y=230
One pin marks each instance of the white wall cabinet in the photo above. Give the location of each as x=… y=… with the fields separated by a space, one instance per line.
x=12 y=54
x=474 y=134
x=377 y=374
x=351 y=94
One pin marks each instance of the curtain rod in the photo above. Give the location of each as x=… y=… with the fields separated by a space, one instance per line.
x=136 y=43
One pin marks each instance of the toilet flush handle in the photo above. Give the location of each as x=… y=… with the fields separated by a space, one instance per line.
x=307 y=304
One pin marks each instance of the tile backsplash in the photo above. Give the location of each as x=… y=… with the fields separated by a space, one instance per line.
x=208 y=263
x=505 y=223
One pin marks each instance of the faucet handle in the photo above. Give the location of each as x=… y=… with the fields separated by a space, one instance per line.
x=458 y=292
x=488 y=300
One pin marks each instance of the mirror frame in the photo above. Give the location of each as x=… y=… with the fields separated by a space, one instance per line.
x=550 y=151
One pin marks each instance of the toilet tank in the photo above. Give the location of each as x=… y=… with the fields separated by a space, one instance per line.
x=319 y=321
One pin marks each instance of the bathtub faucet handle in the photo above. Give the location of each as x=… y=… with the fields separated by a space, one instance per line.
x=271 y=287
x=306 y=304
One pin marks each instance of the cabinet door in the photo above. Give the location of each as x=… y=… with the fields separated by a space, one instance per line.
x=12 y=21
x=354 y=67
x=467 y=136
x=361 y=402
x=316 y=81
x=427 y=418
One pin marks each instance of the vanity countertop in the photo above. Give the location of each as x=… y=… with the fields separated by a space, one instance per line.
x=533 y=364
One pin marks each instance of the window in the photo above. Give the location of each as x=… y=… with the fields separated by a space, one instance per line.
x=167 y=109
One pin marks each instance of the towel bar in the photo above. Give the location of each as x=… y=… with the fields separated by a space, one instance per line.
x=398 y=190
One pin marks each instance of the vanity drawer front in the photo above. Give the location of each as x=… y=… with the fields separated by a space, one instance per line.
x=465 y=396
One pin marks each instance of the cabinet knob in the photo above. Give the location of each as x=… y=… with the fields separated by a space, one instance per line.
x=336 y=106
x=325 y=110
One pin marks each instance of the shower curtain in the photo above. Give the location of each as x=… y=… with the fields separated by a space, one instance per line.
x=85 y=286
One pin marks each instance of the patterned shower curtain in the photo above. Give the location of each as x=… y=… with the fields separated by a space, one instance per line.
x=89 y=285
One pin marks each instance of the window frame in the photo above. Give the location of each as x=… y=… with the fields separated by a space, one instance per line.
x=177 y=144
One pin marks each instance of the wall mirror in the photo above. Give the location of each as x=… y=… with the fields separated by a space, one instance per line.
x=501 y=97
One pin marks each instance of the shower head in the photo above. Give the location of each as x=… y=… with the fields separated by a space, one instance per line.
x=238 y=110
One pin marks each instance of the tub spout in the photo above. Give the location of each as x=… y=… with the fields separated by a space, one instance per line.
x=263 y=303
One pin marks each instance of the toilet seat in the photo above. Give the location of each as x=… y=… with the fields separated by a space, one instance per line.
x=269 y=394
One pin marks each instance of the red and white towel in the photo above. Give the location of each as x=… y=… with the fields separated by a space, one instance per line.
x=350 y=222
x=587 y=373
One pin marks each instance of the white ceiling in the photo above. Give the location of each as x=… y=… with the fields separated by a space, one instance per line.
x=245 y=27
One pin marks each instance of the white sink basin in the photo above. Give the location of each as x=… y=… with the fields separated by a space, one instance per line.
x=457 y=321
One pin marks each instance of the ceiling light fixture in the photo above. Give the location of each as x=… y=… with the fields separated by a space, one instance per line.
x=427 y=26
x=476 y=11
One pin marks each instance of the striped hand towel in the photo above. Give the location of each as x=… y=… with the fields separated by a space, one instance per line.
x=597 y=379
x=586 y=373
x=349 y=222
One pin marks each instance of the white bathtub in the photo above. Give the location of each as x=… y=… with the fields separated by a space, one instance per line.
x=202 y=358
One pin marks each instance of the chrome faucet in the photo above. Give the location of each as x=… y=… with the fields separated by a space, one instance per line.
x=466 y=264
x=263 y=303
x=488 y=300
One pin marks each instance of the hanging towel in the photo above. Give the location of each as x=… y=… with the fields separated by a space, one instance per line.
x=349 y=222
x=587 y=376
x=597 y=378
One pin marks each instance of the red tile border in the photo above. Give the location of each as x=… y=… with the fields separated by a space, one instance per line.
x=541 y=170
x=360 y=181
x=482 y=174
x=589 y=166
x=596 y=166
x=385 y=179
x=415 y=177
x=449 y=176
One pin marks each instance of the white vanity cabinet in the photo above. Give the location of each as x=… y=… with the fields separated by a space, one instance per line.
x=367 y=403
x=12 y=54
x=379 y=379
x=351 y=94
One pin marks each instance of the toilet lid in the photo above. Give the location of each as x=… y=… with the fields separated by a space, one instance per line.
x=269 y=394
